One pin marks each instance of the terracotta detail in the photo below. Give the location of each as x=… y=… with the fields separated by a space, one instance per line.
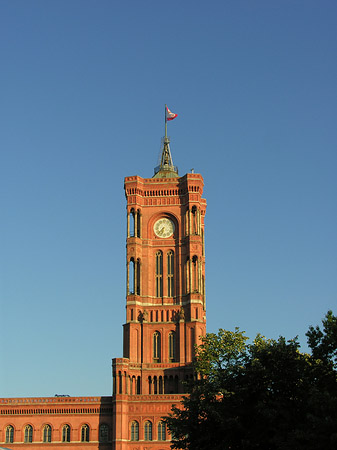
x=165 y=316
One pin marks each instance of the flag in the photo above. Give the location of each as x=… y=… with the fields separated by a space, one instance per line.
x=170 y=115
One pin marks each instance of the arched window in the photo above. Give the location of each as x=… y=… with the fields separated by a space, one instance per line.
x=103 y=433
x=85 y=433
x=138 y=277
x=134 y=431
x=161 y=431
x=195 y=286
x=46 y=433
x=192 y=342
x=132 y=222
x=120 y=382
x=28 y=433
x=148 y=431
x=159 y=274
x=156 y=347
x=155 y=385
x=194 y=220
x=131 y=287
x=9 y=438
x=66 y=433
x=187 y=275
x=134 y=276
x=170 y=274
x=172 y=346
x=187 y=227
x=138 y=223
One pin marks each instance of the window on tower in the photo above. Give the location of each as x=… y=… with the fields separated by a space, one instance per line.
x=170 y=273
x=195 y=285
x=194 y=220
x=159 y=274
x=137 y=278
x=187 y=276
x=172 y=346
x=132 y=219
x=138 y=223
x=156 y=347
x=131 y=277
x=192 y=342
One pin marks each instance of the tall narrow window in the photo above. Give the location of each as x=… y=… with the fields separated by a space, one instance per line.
x=170 y=273
x=103 y=433
x=156 y=347
x=161 y=431
x=47 y=433
x=195 y=220
x=85 y=433
x=195 y=286
x=134 y=431
x=192 y=342
x=131 y=276
x=138 y=223
x=172 y=346
x=29 y=433
x=9 y=439
x=132 y=222
x=159 y=274
x=148 y=431
x=187 y=275
x=187 y=225
x=138 y=277
x=66 y=433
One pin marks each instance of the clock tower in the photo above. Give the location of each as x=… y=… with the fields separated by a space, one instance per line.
x=165 y=302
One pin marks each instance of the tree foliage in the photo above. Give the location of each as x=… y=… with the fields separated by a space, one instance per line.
x=323 y=343
x=263 y=395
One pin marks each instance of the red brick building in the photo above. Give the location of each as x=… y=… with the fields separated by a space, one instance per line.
x=165 y=315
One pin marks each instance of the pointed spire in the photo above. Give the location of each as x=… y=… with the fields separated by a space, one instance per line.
x=166 y=169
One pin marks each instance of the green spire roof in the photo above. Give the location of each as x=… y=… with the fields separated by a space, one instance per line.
x=166 y=169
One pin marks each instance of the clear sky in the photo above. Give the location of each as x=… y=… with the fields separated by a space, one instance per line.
x=83 y=87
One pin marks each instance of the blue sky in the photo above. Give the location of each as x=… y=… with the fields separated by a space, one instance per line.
x=83 y=88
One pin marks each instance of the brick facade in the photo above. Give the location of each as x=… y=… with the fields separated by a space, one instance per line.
x=165 y=316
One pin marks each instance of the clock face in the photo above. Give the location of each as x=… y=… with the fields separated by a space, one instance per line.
x=164 y=228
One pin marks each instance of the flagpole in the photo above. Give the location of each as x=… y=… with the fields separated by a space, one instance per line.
x=165 y=122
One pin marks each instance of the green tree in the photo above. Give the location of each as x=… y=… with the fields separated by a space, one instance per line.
x=323 y=343
x=264 y=395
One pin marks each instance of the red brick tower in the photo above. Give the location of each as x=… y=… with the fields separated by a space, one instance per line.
x=165 y=301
